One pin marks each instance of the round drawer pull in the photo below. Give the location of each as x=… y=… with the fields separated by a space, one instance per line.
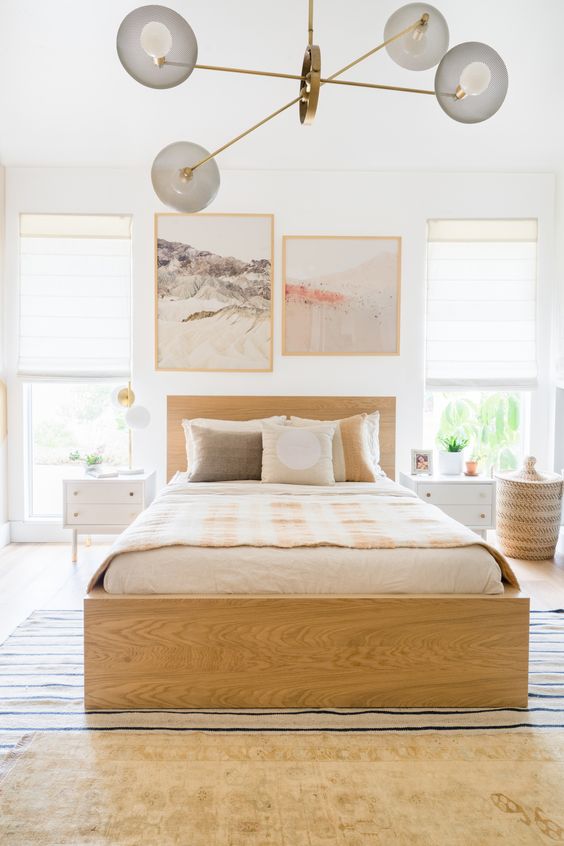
x=130 y=493
x=75 y=493
x=483 y=516
x=76 y=513
x=427 y=494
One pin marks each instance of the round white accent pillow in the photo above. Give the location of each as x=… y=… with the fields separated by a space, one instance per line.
x=298 y=449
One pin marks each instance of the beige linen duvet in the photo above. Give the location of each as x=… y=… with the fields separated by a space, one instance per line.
x=249 y=537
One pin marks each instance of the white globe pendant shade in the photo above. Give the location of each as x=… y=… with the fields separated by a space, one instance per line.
x=471 y=82
x=137 y=417
x=421 y=48
x=178 y=189
x=157 y=47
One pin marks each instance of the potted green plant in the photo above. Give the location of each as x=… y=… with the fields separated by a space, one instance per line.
x=450 y=456
x=91 y=459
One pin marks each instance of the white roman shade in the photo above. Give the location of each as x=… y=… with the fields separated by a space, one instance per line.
x=75 y=296
x=481 y=304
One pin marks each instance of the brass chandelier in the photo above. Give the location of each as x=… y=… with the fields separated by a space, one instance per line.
x=158 y=48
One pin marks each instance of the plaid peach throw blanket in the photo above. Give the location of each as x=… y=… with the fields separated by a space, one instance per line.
x=372 y=520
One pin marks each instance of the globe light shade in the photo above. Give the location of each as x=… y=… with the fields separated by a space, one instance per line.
x=422 y=48
x=471 y=82
x=157 y=47
x=175 y=186
x=137 y=417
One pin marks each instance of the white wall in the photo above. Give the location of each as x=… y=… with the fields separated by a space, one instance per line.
x=346 y=203
x=559 y=326
x=4 y=526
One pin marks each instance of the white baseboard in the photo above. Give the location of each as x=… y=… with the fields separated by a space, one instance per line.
x=5 y=535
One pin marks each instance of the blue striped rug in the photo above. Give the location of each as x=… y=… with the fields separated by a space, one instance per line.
x=41 y=690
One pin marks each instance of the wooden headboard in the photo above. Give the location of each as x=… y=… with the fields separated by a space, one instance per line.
x=247 y=408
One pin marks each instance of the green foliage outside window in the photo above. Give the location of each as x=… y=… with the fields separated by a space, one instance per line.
x=491 y=425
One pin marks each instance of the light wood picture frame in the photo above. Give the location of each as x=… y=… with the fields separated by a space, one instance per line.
x=213 y=292
x=341 y=295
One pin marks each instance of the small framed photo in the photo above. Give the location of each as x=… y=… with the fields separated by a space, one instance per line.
x=421 y=462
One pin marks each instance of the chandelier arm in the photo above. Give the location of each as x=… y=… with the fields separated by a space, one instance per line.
x=251 y=72
x=310 y=24
x=423 y=20
x=378 y=87
x=248 y=131
x=296 y=76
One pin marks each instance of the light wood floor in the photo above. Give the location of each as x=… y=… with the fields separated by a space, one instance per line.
x=41 y=576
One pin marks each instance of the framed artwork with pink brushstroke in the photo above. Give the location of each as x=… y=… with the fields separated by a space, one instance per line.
x=341 y=295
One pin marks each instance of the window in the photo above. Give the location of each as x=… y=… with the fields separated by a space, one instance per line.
x=75 y=281
x=481 y=304
x=74 y=344
x=493 y=422
x=481 y=345
x=66 y=418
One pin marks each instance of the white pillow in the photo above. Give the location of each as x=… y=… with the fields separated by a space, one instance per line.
x=224 y=426
x=296 y=456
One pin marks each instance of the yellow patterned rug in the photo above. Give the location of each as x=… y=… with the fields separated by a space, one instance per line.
x=283 y=789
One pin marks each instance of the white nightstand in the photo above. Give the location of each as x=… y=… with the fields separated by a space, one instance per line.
x=469 y=499
x=104 y=506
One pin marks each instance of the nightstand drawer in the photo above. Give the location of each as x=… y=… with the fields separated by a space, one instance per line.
x=102 y=514
x=104 y=492
x=470 y=515
x=456 y=494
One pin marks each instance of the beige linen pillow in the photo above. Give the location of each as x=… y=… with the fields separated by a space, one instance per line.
x=298 y=456
x=353 y=460
x=219 y=456
x=224 y=426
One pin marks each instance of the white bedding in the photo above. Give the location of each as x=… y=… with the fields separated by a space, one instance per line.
x=310 y=570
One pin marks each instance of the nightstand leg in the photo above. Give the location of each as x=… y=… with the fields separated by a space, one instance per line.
x=74 y=545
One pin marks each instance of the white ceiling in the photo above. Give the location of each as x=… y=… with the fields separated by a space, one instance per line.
x=65 y=99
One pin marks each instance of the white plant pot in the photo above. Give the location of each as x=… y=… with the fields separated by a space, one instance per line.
x=450 y=463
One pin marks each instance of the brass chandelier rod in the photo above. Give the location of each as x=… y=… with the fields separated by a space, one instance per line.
x=188 y=171
x=324 y=81
x=377 y=86
x=251 y=72
x=310 y=24
x=423 y=20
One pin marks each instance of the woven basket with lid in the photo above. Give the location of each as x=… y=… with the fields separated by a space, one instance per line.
x=529 y=506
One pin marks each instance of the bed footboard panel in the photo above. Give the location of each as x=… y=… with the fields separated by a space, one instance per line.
x=305 y=651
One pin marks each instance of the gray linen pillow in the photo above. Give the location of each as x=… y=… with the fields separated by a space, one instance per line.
x=220 y=456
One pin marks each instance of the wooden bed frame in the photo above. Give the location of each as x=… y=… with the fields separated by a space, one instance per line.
x=273 y=651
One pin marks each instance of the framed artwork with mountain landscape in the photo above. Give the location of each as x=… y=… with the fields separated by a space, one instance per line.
x=341 y=295
x=213 y=289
